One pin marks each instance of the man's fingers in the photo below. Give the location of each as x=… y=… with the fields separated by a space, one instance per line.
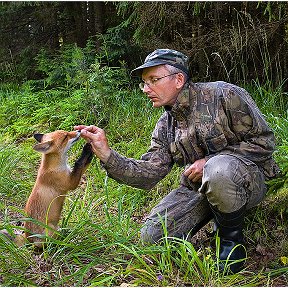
x=87 y=134
x=90 y=128
x=79 y=127
x=93 y=129
x=194 y=177
x=188 y=171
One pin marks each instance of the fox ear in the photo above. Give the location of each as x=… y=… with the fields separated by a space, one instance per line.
x=38 y=137
x=43 y=147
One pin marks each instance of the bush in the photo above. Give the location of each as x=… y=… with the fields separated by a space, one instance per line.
x=99 y=240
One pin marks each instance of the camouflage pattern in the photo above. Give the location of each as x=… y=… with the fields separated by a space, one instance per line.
x=164 y=56
x=183 y=212
x=217 y=121
x=206 y=120
x=228 y=184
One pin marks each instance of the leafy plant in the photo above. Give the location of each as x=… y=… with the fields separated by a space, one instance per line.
x=98 y=243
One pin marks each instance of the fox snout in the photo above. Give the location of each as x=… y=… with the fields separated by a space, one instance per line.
x=77 y=135
x=56 y=141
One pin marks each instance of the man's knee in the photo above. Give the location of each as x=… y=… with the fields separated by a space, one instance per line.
x=223 y=184
x=218 y=169
x=230 y=183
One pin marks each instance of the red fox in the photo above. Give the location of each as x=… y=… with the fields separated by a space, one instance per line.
x=55 y=178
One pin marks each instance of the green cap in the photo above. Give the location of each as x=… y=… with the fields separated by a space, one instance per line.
x=161 y=57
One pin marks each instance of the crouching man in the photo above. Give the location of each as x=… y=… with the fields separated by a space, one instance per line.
x=217 y=133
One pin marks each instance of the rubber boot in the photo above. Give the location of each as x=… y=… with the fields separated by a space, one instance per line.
x=232 y=252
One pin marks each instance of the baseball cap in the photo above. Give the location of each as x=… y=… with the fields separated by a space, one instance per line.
x=164 y=56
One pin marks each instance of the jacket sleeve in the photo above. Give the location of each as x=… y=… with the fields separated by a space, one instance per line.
x=150 y=169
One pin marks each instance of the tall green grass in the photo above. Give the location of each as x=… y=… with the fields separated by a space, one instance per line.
x=98 y=243
x=273 y=103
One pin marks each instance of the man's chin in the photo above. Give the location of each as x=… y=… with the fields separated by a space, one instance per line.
x=156 y=105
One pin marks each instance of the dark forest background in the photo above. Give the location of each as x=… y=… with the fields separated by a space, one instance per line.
x=232 y=41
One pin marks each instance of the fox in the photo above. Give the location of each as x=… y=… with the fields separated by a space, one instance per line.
x=54 y=179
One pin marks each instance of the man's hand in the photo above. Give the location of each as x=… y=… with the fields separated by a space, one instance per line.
x=195 y=171
x=97 y=138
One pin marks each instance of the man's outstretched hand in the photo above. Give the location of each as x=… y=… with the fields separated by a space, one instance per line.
x=98 y=140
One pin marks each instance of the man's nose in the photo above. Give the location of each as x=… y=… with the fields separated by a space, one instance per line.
x=146 y=88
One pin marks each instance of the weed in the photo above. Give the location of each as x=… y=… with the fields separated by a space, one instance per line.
x=98 y=242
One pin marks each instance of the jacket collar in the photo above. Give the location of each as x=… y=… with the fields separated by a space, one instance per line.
x=181 y=108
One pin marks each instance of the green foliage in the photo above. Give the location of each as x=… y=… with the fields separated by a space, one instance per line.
x=9 y=157
x=86 y=102
x=68 y=68
x=250 y=38
x=274 y=104
x=274 y=11
x=16 y=174
x=234 y=42
x=117 y=45
x=13 y=261
x=98 y=242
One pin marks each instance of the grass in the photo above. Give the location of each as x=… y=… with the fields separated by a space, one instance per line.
x=98 y=241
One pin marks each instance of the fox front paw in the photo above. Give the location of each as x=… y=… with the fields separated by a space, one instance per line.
x=87 y=153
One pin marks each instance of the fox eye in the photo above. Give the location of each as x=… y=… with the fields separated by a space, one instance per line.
x=66 y=135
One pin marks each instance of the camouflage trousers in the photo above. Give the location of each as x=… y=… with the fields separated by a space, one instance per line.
x=228 y=184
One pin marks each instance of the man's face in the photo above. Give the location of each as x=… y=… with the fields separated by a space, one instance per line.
x=164 y=91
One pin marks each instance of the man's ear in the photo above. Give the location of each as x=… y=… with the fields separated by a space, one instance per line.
x=180 y=80
x=43 y=147
x=38 y=137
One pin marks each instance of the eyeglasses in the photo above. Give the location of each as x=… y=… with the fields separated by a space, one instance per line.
x=152 y=82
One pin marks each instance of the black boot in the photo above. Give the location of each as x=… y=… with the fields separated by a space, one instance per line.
x=232 y=252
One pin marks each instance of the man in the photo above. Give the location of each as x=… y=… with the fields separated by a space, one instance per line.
x=216 y=132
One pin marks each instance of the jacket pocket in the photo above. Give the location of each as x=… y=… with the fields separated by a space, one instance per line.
x=216 y=144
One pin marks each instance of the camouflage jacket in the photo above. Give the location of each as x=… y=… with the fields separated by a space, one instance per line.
x=207 y=119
